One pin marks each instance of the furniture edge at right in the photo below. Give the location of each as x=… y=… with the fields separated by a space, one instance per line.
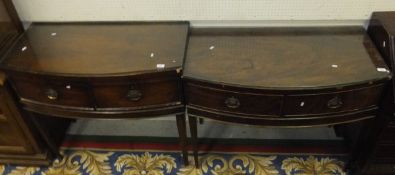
x=378 y=157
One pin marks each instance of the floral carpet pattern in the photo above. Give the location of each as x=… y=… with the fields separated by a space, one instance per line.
x=103 y=162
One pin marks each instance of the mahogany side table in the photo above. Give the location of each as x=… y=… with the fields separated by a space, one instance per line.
x=106 y=70
x=284 y=77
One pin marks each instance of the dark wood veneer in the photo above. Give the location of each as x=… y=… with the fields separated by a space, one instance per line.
x=100 y=70
x=295 y=58
x=99 y=48
x=250 y=103
x=36 y=89
x=283 y=77
x=315 y=104
x=152 y=90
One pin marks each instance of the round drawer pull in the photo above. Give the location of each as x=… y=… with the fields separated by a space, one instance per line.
x=335 y=103
x=134 y=95
x=232 y=102
x=51 y=94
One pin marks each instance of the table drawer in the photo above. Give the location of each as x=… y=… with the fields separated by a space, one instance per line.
x=315 y=104
x=57 y=92
x=137 y=93
x=233 y=102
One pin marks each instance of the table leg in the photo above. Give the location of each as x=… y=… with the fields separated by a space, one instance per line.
x=45 y=127
x=360 y=133
x=182 y=135
x=194 y=139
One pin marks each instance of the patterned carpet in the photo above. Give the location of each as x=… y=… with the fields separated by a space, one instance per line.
x=158 y=156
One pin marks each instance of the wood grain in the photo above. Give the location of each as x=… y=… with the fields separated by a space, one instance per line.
x=99 y=48
x=290 y=58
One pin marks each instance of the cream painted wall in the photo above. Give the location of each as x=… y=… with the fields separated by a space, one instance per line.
x=206 y=12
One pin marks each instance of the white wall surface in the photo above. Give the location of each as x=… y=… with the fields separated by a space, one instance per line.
x=206 y=12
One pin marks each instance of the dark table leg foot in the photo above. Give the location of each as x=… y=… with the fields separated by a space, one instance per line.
x=193 y=128
x=182 y=133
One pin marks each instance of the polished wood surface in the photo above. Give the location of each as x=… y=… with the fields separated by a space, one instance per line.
x=259 y=104
x=287 y=77
x=283 y=58
x=100 y=70
x=38 y=89
x=93 y=49
x=283 y=77
x=351 y=100
x=100 y=97
x=138 y=92
x=274 y=90
x=280 y=105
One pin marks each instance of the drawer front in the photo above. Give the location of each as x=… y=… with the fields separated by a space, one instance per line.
x=233 y=102
x=315 y=104
x=54 y=92
x=135 y=94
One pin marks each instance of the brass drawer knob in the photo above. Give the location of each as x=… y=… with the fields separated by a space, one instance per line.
x=335 y=103
x=134 y=95
x=232 y=102
x=51 y=94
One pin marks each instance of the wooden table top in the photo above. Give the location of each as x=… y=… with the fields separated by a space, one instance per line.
x=284 y=58
x=86 y=49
